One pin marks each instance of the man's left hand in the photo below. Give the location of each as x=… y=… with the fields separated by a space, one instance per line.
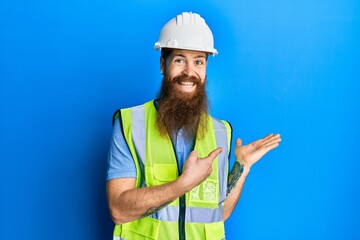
x=249 y=154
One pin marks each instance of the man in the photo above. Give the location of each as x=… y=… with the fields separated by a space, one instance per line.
x=168 y=161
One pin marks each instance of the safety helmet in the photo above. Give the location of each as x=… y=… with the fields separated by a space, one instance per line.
x=187 y=31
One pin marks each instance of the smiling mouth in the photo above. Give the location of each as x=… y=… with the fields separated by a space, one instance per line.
x=187 y=84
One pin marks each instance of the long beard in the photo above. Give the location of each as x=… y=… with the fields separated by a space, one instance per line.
x=178 y=109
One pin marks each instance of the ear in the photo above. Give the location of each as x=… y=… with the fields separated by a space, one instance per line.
x=162 y=65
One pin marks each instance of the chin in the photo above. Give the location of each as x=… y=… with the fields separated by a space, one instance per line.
x=186 y=96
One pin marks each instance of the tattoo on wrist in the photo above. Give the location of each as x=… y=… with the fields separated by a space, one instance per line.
x=155 y=209
x=234 y=176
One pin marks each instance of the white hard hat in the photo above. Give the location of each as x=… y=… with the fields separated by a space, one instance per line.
x=187 y=31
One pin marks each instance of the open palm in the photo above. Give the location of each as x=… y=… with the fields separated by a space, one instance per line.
x=251 y=153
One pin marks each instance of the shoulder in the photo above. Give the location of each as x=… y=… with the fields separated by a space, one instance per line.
x=221 y=124
x=117 y=113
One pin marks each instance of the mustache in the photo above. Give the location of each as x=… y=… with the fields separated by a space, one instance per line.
x=184 y=78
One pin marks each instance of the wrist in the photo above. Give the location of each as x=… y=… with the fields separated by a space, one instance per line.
x=245 y=169
x=183 y=185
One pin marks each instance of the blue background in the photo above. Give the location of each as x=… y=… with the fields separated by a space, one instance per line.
x=283 y=66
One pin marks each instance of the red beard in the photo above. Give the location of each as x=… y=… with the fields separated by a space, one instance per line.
x=179 y=109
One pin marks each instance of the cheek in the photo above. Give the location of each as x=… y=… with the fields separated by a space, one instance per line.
x=202 y=75
x=173 y=72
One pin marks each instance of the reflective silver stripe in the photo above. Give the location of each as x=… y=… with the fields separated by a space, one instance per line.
x=168 y=213
x=118 y=238
x=139 y=130
x=222 y=141
x=204 y=215
x=139 y=136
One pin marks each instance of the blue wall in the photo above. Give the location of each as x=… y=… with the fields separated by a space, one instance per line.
x=283 y=66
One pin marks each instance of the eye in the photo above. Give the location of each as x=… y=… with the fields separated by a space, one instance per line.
x=179 y=61
x=199 y=62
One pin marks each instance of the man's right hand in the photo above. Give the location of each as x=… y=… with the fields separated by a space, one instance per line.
x=128 y=203
x=196 y=170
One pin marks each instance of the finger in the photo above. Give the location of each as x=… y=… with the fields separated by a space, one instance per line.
x=214 y=154
x=238 y=142
x=266 y=140
x=274 y=139
x=277 y=135
x=267 y=137
x=271 y=135
x=271 y=146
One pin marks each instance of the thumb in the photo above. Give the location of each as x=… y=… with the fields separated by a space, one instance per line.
x=214 y=154
x=193 y=156
x=238 y=142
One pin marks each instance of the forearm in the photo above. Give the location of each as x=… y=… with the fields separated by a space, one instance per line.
x=236 y=183
x=246 y=156
x=135 y=203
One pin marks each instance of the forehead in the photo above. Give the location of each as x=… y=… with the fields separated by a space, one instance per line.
x=187 y=53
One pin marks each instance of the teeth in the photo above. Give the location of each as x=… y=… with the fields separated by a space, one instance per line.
x=187 y=83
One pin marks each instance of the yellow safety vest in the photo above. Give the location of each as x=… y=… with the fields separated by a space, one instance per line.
x=198 y=214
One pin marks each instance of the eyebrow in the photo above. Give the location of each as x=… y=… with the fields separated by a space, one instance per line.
x=181 y=55
x=200 y=56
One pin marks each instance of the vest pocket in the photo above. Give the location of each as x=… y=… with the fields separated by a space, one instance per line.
x=215 y=231
x=144 y=228
x=205 y=195
x=205 y=231
x=164 y=173
x=161 y=173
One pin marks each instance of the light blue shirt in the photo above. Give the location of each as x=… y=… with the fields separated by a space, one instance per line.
x=121 y=163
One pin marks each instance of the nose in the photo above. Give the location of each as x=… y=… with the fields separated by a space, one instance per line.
x=189 y=70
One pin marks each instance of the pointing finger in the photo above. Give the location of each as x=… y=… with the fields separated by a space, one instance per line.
x=214 y=154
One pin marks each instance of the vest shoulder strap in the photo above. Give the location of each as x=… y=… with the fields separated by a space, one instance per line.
x=126 y=127
x=229 y=134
